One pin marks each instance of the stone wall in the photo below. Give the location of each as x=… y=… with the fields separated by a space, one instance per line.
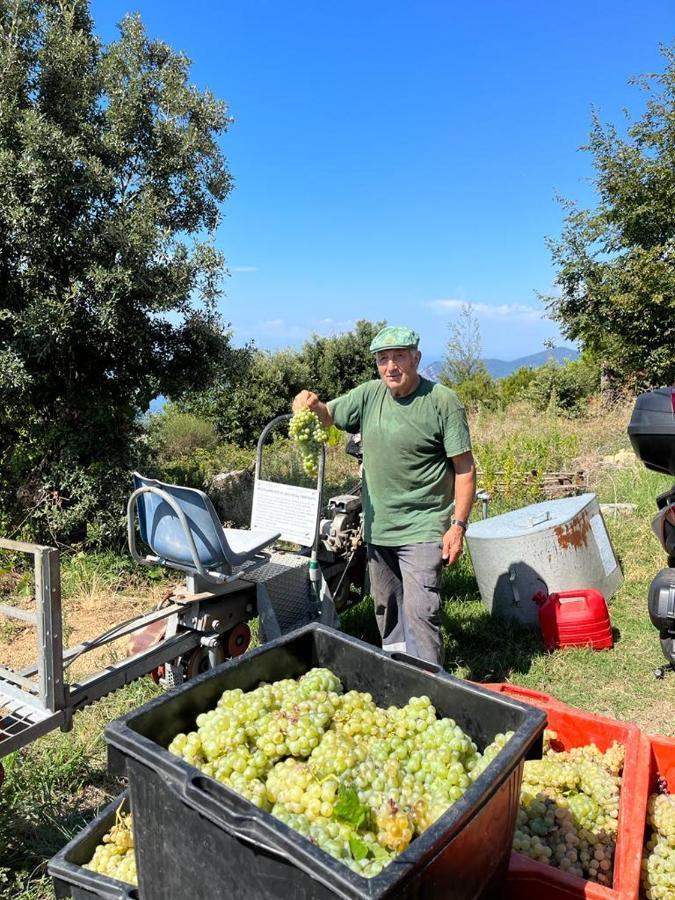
x=232 y=496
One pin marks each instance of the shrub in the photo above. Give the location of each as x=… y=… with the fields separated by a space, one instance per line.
x=565 y=388
x=199 y=468
x=515 y=386
x=514 y=466
x=478 y=391
x=174 y=433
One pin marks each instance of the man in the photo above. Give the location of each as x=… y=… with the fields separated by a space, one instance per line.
x=416 y=459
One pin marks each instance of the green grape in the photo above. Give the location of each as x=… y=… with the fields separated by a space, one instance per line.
x=661 y=816
x=115 y=855
x=569 y=808
x=294 y=746
x=395 y=826
x=309 y=434
x=658 y=856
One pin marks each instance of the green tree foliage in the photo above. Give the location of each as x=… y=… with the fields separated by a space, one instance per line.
x=337 y=364
x=463 y=355
x=616 y=263
x=478 y=391
x=263 y=388
x=514 y=387
x=257 y=385
x=463 y=368
x=174 y=432
x=564 y=388
x=111 y=179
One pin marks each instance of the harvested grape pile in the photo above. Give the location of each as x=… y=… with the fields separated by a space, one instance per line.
x=569 y=809
x=309 y=434
x=358 y=780
x=115 y=856
x=658 y=860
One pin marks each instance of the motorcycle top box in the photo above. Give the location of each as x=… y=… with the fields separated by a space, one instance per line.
x=652 y=430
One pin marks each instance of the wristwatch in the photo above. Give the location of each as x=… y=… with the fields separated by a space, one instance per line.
x=462 y=524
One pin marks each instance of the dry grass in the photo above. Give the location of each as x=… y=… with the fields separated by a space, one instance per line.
x=90 y=605
x=600 y=433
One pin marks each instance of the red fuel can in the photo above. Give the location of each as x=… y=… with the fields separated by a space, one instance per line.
x=574 y=619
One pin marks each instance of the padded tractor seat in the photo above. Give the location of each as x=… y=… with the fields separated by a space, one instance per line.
x=183 y=531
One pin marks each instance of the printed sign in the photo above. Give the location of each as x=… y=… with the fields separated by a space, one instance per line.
x=286 y=508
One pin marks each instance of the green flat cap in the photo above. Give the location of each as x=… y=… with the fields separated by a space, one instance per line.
x=394 y=336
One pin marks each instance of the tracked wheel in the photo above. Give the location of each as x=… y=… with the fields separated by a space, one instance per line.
x=198 y=661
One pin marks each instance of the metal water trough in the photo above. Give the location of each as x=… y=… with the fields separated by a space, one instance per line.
x=557 y=545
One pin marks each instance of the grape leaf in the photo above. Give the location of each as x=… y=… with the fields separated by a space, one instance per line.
x=358 y=847
x=349 y=808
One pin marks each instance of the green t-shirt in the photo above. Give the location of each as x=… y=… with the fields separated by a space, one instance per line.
x=408 y=481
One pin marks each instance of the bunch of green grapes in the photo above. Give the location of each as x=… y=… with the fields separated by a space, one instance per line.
x=310 y=435
x=358 y=780
x=658 y=858
x=569 y=810
x=115 y=856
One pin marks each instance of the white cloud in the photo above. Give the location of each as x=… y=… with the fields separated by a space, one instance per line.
x=334 y=326
x=518 y=311
x=243 y=269
x=272 y=324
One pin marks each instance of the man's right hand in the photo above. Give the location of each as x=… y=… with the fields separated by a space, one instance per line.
x=305 y=400
x=310 y=400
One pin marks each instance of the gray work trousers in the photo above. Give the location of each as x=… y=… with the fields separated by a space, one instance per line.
x=405 y=585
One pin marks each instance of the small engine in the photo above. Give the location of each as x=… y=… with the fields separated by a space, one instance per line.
x=341 y=533
x=342 y=553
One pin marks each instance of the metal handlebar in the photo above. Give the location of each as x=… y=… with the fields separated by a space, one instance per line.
x=261 y=441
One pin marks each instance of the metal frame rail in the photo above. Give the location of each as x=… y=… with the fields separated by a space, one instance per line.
x=38 y=698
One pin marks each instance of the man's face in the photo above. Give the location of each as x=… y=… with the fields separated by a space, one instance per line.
x=398 y=369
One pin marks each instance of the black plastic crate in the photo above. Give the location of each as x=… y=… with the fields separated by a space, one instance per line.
x=652 y=430
x=70 y=877
x=196 y=837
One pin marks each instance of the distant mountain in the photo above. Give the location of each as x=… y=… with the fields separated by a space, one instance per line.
x=500 y=368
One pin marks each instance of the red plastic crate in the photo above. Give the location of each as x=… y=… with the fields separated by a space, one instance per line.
x=530 y=880
x=660 y=761
x=518 y=692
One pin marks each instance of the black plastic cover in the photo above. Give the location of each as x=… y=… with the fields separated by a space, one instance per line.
x=70 y=877
x=661 y=602
x=652 y=430
x=196 y=837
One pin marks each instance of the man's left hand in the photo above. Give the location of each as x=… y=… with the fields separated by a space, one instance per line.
x=453 y=544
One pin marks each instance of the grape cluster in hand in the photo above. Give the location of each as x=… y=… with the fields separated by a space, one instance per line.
x=658 y=859
x=309 y=434
x=115 y=856
x=357 y=780
x=569 y=809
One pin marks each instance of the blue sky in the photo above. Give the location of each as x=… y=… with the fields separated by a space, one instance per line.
x=393 y=160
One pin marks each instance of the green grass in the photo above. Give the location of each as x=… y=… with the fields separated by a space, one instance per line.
x=56 y=785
